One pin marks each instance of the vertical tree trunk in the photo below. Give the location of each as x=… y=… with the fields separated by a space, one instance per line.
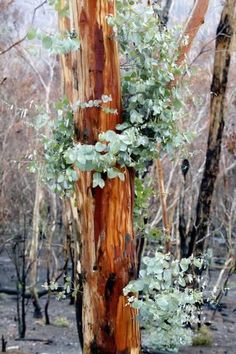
x=224 y=37
x=34 y=248
x=193 y=23
x=162 y=193
x=164 y=14
x=108 y=256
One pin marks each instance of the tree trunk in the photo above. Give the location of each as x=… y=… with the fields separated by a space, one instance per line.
x=34 y=248
x=194 y=22
x=108 y=256
x=224 y=37
x=164 y=13
x=162 y=196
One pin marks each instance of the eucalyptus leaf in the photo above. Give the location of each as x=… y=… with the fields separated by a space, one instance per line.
x=97 y=180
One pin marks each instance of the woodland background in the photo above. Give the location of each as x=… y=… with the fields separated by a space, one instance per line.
x=29 y=83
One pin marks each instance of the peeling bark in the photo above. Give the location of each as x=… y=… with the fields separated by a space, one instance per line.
x=107 y=245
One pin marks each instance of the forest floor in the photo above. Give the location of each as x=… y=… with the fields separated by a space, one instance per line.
x=61 y=336
x=222 y=327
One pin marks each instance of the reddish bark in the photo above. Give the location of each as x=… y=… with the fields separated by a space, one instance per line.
x=195 y=20
x=108 y=257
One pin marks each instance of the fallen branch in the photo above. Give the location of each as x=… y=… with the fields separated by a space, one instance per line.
x=45 y=341
x=9 y=291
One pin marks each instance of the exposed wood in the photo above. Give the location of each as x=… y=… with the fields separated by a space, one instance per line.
x=71 y=216
x=224 y=38
x=108 y=255
x=194 y=22
x=162 y=194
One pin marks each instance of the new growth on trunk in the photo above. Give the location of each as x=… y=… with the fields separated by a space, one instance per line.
x=107 y=245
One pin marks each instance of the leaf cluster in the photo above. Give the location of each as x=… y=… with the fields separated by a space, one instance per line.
x=167 y=301
x=57 y=43
x=62 y=10
x=148 y=67
x=150 y=104
x=55 y=171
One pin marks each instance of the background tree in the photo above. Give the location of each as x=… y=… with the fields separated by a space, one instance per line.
x=23 y=93
x=224 y=37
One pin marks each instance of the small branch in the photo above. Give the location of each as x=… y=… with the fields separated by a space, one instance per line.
x=19 y=41
x=28 y=295
x=162 y=193
x=193 y=24
x=45 y=341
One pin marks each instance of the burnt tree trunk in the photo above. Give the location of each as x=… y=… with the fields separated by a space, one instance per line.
x=164 y=13
x=193 y=23
x=224 y=37
x=107 y=245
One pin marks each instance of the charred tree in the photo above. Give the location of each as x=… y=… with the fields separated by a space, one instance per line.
x=224 y=38
x=107 y=260
x=193 y=23
x=164 y=13
x=4 y=345
x=182 y=220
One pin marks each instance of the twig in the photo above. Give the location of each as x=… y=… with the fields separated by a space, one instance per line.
x=166 y=227
x=25 y=36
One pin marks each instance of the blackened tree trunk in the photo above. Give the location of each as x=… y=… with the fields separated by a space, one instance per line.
x=193 y=23
x=224 y=38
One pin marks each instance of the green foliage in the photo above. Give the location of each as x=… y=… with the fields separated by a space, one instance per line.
x=148 y=67
x=58 y=43
x=55 y=171
x=203 y=337
x=143 y=193
x=61 y=322
x=167 y=301
x=64 y=291
x=150 y=104
x=61 y=10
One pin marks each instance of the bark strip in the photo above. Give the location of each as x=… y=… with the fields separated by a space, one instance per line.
x=107 y=246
